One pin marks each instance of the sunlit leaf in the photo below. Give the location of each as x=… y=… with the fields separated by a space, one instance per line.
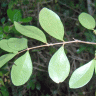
x=31 y=31
x=4 y=46
x=51 y=23
x=82 y=75
x=17 y=43
x=59 y=66
x=95 y=65
x=87 y=21
x=21 y=70
x=5 y=58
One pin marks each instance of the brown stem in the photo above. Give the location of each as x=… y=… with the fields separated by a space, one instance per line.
x=63 y=43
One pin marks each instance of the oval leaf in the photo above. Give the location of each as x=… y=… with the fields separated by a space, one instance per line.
x=4 y=46
x=31 y=31
x=82 y=75
x=17 y=43
x=51 y=23
x=5 y=58
x=87 y=21
x=21 y=70
x=59 y=66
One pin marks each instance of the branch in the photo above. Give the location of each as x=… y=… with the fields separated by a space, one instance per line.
x=69 y=7
x=90 y=10
x=63 y=43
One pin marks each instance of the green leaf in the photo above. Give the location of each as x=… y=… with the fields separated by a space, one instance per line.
x=95 y=65
x=17 y=43
x=5 y=58
x=31 y=31
x=51 y=23
x=1 y=30
x=4 y=91
x=6 y=29
x=31 y=85
x=38 y=86
x=82 y=75
x=1 y=82
x=25 y=20
x=14 y=15
x=21 y=70
x=4 y=46
x=3 y=20
x=87 y=21
x=59 y=66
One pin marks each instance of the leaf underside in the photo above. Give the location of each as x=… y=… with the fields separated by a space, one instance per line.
x=21 y=70
x=4 y=46
x=17 y=43
x=82 y=75
x=31 y=31
x=87 y=20
x=59 y=66
x=51 y=23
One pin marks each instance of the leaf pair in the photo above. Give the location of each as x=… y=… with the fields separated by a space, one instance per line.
x=49 y=21
x=12 y=45
x=22 y=68
x=59 y=69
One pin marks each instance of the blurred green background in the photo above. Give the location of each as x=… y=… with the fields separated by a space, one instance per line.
x=26 y=12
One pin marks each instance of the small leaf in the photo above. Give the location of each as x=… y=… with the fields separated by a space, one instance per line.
x=14 y=15
x=4 y=46
x=3 y=20
x=1 y=82
x=28 y=19
x=82 y=75
x=87 y=21
x=6 y=29
x=17 y=43
x=21 y=70
x=4 y=91
x=59 y=66
x=38 y=86
x=31 y=31
x=5 y=58
x=51 y=23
